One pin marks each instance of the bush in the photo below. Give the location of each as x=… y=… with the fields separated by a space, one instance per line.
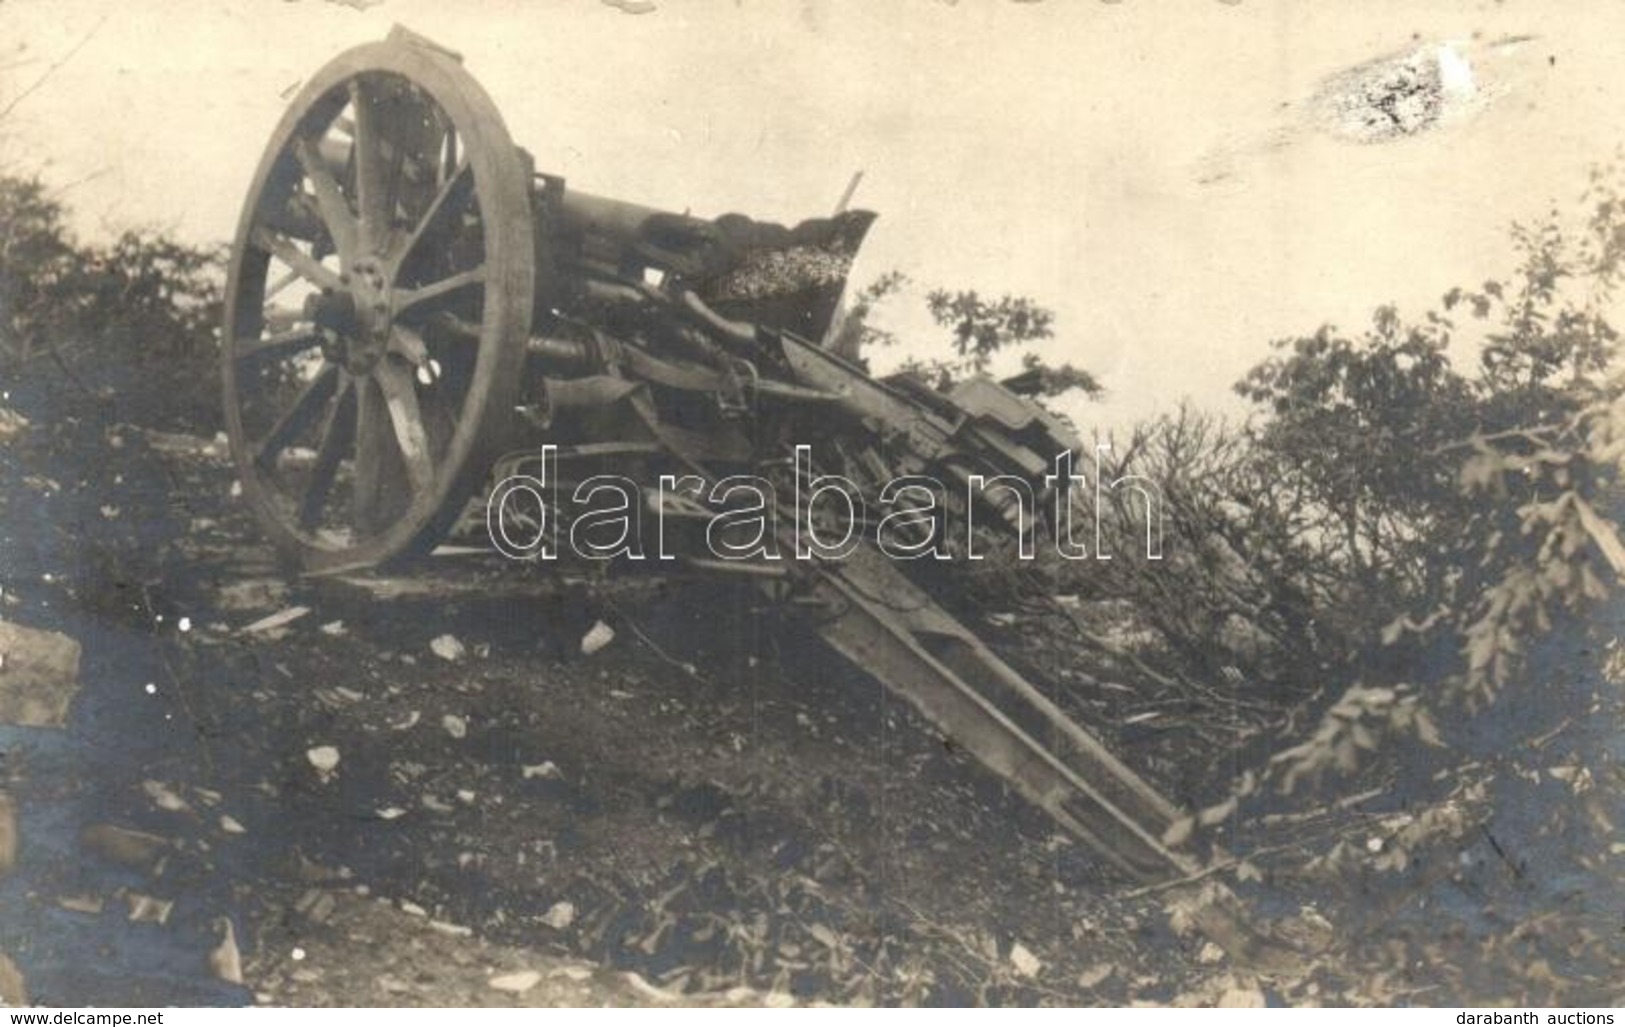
x=143 y=297
x=36 y=261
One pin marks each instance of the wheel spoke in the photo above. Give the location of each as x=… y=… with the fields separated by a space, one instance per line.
x=330 y=202
x=406 y=299
x=307 y=267
x=401 y=397
x=376 y=459
x=409 y=344
x=338 y=430
x=451 y=193
x=372 y=186
x=281 y=319
x=298 y=417
x=462 y=327
x=277 y=287
x=450 y=159
x=283 y=343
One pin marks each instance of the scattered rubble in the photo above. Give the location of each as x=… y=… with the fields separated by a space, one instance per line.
x=184 y=444
x=1026 y=964
x=225 y=960
x=405 y=721
x=39 y=676
x=448 y=648
x=125 y=846
x=560 y=915
x=9 y=836
x=325 y=758
x=425 y=964
x=91 y=905
x=146 y=909
x=280 y=619
x=316 y=905
x=251 y=594
x=792 y=915
x=1095 y=975
x=1240 y=994
x=596 y=638
x=164 y=797
x=12 y=424
x=13 y=990
x=517 y=983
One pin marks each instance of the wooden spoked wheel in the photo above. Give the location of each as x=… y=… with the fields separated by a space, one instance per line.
x=377 y=308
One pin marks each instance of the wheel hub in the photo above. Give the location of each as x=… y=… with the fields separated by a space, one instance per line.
x=354 y=321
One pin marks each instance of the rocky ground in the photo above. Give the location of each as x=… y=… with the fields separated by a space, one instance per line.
x=256 y=790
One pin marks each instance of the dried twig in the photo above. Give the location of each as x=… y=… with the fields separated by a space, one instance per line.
x=654 y=647
x=1277 y=819
x=55 y=65
x=1209 y=870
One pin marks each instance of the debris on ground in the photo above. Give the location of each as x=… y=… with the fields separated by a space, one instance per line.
x=316 y=905
x=90 y=905
x=325 y=758
x=13 y=991
x=517 y=983
x=139 y=850
x=39 y=676
x=448 y=648
x=225 y=960
x=1240 y=994
x=596 y=638
x=12 y=424
x=186 y=444
x=560 y=915
x=1095 y=975
x=251 y=594
x=546 y=770
x=421 y=964
x=280 y=619
x=164 y=797
x=1026 y=964
x=8 y=834
x=147 y=909
x=665 y=868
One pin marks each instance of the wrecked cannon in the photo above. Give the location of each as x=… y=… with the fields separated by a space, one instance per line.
x=417 y=319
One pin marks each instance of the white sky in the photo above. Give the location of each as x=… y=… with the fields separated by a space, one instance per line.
x=1149 y=170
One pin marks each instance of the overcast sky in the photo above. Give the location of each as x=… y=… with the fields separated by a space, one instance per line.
x=1156 y=172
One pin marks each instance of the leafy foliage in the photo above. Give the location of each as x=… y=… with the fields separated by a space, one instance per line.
x=1043 y=379
x=1354 y=429
x=143 y=296
x=153 y=295
x=1469 y=514
x=857 y=331
x=36 y=263
x=982 y=328
x=978 y=330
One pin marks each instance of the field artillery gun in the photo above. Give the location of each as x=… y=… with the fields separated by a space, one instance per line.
x=424 y=333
